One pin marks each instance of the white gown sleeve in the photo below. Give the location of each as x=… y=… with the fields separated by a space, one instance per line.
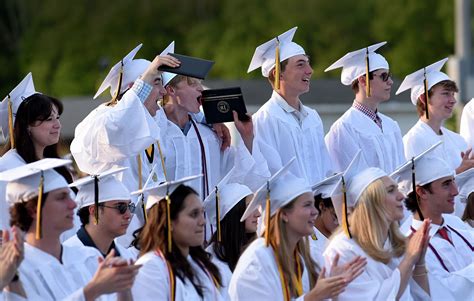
x=152 y=281
x=341 y=144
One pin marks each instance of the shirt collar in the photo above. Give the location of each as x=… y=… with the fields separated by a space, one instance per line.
x=286 y=107
x=85 y=238
x=416 y=224
x=365 y=109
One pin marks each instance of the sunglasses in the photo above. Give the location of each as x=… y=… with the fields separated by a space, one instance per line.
x=384 y=76
x=122 y=207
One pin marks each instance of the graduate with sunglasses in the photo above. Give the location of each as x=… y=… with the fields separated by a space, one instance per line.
x=103 y=222
x=362 y=126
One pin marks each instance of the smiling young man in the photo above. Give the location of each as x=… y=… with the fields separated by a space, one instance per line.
x=284 y=127
x=363 y=126
x=449 y=257
x=115 y=211
x=429 y=129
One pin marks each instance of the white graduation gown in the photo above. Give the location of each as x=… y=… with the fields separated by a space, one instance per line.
x=421 y=136
x=9 y=160
x=467 y=123
x=182 y=154
x=378 y=281
x=45 y=278
x=224 y=270
x=74 y=241
x=256 y=275
x=354 y=130
x=317 y=247
x=281 y=137
x=153 y=283
x=458 y=259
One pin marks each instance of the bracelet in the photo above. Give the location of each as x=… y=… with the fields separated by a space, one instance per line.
x=420 y=265
x=421 y=274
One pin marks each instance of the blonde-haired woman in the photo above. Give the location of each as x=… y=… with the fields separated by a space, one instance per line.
x=279 y=266
x=395 y=269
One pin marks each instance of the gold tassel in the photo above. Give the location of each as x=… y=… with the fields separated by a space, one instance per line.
x=10 y=122
x=39 y=208
x=267 y=216
x=218 y=216
x=314 y=237
x=427 y=97
x=117 y=93
x=367 y=76
x=168 y=220
x=277 y=65
x=162 y=160
x=345 y=224
x=139 y=161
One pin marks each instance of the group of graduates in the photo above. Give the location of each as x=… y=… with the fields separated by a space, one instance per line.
x=169 y=210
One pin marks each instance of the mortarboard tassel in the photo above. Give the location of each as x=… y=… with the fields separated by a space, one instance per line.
x=142 y=198
x=218 y=216
x=418 y=209
x=314 y=237
x=267 y=216
x=39 y=208
x=96 y=200
x=367 y=76
x=139 y=162
x=345 y=224
x=427 y=97
x=168 y=220
x=10 y=121
x=277 y=65
x=117 y=93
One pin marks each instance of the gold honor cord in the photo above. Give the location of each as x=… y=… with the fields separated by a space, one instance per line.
x=10 y=122
x=267 y=216
x=218 y=216
x=345 y=224
x=39 y=208
x=277 y=65
x=96 y=200
x=168 y=220
x=162 y=160
x=314 y=237
x=413 y=178
x=427 y=97
x=297 y=278
x=367 y=76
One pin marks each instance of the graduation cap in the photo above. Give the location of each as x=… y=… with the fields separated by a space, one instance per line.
x=218 y=105
x=270 y=54
x=189 y=66
x=163 y=191
x=167 y=76
x=279 y=190
x=465 y=182
x=326 y=186
x=420 y=170
x=359 y=62
x=123 y=73
x=348 y=189
x=100 y=188
x=421 y=81
x=31 y=180
x=9 y=106
x=222 y=199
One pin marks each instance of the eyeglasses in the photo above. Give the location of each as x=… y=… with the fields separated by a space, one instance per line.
x=384 y=76
x=121 y=207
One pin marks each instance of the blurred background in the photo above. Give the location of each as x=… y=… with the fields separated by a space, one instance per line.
x=69 y=46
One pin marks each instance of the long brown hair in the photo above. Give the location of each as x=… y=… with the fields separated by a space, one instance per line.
x=278 y=240
x=154 y=236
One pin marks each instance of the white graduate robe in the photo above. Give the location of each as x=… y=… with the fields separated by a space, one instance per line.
x=45 y=278
x=458 y=259
x=354 y=130
x=153 y=283
x=224 y=270
x=9 y=160
x=421 y=136
x=256 y=275
x=378 y=281
x=183 y=156
x=466 y=128
x=281 y=137
x=114 y=137
x=317 y=247
x=74 y=241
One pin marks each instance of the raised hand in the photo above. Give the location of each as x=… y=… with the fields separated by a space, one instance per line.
x=11 y=256
x=152 y=73
x=222 y=131
x=350 y=270
x=245 y=129
x=418 y=243
x=467 y=162
x=327 y=287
